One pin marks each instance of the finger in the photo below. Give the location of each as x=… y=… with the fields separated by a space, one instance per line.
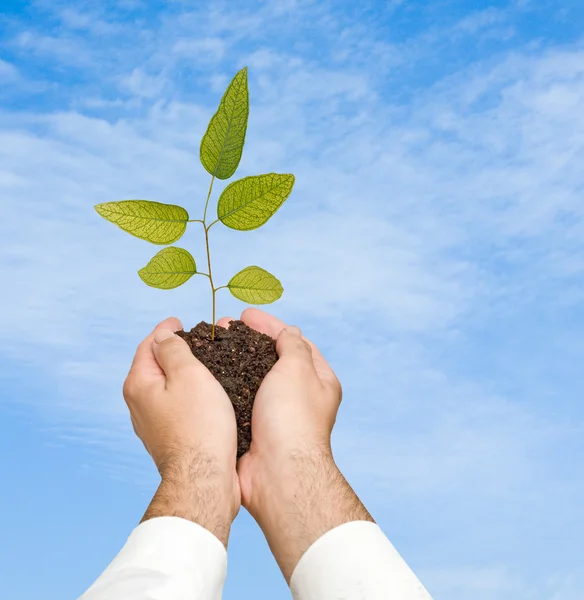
x=172 y=353
x=265 y=323
x=262 y=321
x=224 y=322
x=291 y=347
x=145 y=363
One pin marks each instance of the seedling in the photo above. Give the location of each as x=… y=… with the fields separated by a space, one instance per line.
x=244 y=205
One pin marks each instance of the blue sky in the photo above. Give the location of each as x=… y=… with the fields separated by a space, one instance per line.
x=432 y=248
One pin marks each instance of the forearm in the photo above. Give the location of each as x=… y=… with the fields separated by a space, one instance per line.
x=300 y=500
x=194 y=488
x=324 y=539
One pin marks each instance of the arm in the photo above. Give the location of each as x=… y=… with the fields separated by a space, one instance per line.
x=323 y=538
x=307 y=497
x=178 y=551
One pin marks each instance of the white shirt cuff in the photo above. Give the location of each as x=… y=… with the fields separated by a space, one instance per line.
x=355 y=561
x=165 y=558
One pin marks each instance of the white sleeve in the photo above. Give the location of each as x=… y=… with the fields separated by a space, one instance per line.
x=165 y=558
x=355 y=561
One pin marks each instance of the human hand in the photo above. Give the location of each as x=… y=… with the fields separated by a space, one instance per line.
x=186 y=422
x=289 y=481
x=296 y=406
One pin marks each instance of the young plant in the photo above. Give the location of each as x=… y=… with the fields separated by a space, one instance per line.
x=244 y=205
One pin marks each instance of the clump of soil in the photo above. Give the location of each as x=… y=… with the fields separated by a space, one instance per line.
x=239 y=358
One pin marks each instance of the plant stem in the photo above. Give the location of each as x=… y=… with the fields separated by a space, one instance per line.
x=207 y=203
x=211 y=282
x=209 y=257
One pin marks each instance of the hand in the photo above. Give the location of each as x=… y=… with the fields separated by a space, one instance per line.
x=296 y=406
x=289 y=481
x=186 y=422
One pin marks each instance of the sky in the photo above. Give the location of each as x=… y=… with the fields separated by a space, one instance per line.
x=432 y=248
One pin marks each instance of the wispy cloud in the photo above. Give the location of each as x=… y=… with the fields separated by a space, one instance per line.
x=7 y=71
x=432 y=247
x=208 y=49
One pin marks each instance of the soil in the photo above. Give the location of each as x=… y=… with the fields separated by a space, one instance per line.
x=239 y=358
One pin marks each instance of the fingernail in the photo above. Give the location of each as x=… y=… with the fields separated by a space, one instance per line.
x=294 y=330
x=162 y=334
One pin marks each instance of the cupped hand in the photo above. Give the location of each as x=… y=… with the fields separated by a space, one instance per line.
x=180 y=411
x=294 y=410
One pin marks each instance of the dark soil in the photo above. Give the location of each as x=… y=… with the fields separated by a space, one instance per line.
x=239 y=358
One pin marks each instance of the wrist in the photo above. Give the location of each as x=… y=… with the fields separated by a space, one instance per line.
x=298 y=499
x=197 y=488
x=280 y=474
x=295 y=477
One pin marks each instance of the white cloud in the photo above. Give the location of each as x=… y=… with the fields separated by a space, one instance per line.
x=481 y=20
x=7 y=71
x=410 y=196
x=84 y=21
x=206 y=49
x=412 y=225
x=142 y=85
x=60 y=48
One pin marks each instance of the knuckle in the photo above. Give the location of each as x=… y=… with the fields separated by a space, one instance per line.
x=130 y=388
x=172 y=346
x=302 y=347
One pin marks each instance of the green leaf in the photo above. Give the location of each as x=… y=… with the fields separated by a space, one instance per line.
x=222 y=144
x=168 y=269
x=151 y=221
x=249 y=202
x=255 y=286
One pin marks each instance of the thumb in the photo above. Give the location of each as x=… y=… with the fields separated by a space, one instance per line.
x=291 y=345
x=171 y=352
